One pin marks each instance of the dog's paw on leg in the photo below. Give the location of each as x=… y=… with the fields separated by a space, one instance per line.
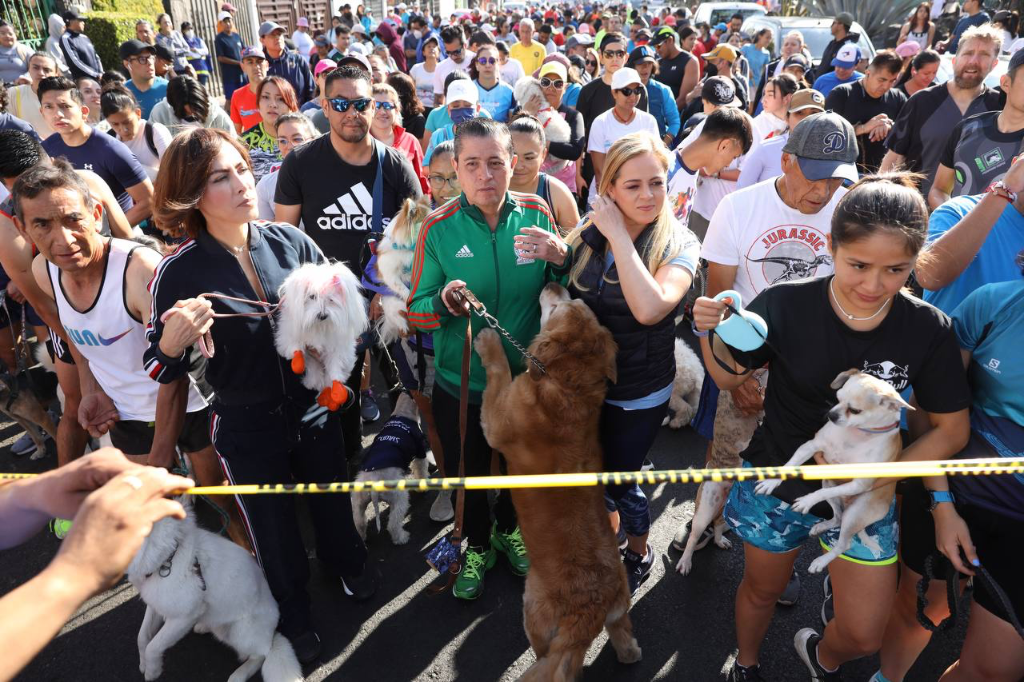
x=822 y=526
x=767 y=486
x=819 y=564
x=488 y=346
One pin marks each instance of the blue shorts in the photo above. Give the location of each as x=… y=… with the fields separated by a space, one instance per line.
x=768 y=523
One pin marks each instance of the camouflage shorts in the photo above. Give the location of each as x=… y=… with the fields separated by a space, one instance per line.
x=768 y=523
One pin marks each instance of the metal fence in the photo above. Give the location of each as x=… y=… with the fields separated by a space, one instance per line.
x=29 y=19
x=203 y=15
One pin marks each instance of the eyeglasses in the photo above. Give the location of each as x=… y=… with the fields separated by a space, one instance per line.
x=591 y=62
x=629 y=92
x=439 y=181
x=613 y=54
x=486 y=60
x=548 y=83
x=386 y=106
x=341 y=105
x=141 y=59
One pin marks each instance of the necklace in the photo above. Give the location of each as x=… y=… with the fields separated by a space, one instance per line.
x=624 y=121
x=848 y=315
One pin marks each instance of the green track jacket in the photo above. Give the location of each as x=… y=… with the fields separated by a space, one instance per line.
x=455 y=242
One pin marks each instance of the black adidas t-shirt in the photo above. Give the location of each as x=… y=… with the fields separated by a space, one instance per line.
x=913 y=346
x=337 y=198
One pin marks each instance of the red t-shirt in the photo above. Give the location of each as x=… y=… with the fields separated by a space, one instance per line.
x=245 y=110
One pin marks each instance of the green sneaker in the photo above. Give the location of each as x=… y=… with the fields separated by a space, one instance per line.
x=60 y=527
x=513 y=547
x=470 y=583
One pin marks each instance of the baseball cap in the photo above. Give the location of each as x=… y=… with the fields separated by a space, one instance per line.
x=662 y=34
x=643 y=36
x=253 y=51
x=356 y=59
x=720 y=26
x=359 y=28
x=825 y=145
x=845 y=18
x=908 y=48
x=462 y=90
x=726 y=52
x=321 y=41
x=807 y=99
x=846 y=58
x=1016 y=61
x=223 y=15
x=163 y=52
x=268 y=27
x=670 y=20
x=579 y=39
x=625 y=77
x=228 y=7
x=324 y=65
x=302 y=21
x=644 y=53
x=555 y=68
x=130 y=48
x=718 y=90
x=72 y=15
x=796 y=60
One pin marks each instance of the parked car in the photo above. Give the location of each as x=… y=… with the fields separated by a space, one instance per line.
x=817 y=32
x=945 y=71
x=720 y=12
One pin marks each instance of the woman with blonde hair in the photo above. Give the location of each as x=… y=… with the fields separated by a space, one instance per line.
x=632 y=264
x=386 y=126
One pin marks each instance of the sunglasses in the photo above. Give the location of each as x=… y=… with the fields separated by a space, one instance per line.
x=386 y=106
x=341 y=104
x=455 y=52
x=486 y=60
x=612 y=54
x=548 y=83
x=629 y=92
x=591 y=62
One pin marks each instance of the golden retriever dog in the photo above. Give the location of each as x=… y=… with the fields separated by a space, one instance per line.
x=545 y=423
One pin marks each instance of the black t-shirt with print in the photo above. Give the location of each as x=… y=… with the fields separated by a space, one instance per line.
x=337 y=198
x=913 y=346
x=978 y=153
x=852 y=102
x=672 y=71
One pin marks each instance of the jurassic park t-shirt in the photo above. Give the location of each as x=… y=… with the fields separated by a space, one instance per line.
x=768 y=241
x=337 y=198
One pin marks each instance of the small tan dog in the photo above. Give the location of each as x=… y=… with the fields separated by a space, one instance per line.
x=548 y=423
x=863 y=427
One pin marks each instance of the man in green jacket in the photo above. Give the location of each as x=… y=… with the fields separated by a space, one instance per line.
x=504 y=247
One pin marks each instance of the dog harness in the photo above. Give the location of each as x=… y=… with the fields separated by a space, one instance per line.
x=168 y=564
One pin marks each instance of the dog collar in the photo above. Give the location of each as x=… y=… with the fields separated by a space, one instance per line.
x=880 y=429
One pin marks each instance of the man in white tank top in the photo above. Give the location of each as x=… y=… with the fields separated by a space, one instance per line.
x=100 y=287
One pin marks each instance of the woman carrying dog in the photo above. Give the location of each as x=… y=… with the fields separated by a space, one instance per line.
x=632 y=264
x=266 y=427
x=863 y=320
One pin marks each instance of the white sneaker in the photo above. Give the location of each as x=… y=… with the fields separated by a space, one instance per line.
x=24 y=446
x=441 y=510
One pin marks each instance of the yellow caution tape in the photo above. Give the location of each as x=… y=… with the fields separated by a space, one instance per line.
x=817 y=472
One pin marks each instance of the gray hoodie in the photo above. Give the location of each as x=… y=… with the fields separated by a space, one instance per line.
x=56 y=27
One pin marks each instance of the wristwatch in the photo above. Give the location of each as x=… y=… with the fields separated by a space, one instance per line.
x=940 y=496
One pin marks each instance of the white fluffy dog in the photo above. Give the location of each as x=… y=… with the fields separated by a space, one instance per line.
x=685 y=387
x=394 y=267
x=321 y=317
x=399 y=445
x=192 y=579
x=530 y=96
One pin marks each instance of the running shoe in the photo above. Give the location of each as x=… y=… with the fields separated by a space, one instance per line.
x=828 y=611
x=307 y=646
x=24 y=446
x=368 y=408
x=513 y=547
x=441 y=510
x=363 y=586
x=806 y=643
x=638 y=569
x=648 y=465
x=60 y=527
x=470 y=582
x=683 y=536
x=792 y=592
x=738 y=673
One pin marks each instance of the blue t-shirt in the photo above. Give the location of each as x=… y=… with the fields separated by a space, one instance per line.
x=994 y=261
x=990 y=324
x=12 y=122
x=758 y=59
x=229 y=45
x=964 y=24
x=105 y=156
x=688 y=256
x=572 y=94
x=148 y=99
x=499 y=101
x=825 y=84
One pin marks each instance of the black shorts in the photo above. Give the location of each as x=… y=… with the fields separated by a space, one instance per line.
x=997 y=540
x=136 y=437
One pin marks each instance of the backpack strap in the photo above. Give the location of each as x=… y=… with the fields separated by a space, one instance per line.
x=147 y=130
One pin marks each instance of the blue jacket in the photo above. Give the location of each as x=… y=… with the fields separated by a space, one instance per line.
x=294 y=69
x=662 y=105
x=245 y=369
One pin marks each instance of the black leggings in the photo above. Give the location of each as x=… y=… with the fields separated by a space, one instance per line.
x=477 y=518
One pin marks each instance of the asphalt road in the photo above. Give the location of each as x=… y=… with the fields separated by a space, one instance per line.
x=683 y=624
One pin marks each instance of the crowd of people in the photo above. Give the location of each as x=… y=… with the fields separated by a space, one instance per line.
x=872 y=216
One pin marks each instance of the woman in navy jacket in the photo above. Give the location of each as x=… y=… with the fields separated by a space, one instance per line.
x=266 y=427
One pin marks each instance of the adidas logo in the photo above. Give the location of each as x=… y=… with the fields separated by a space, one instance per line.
x=351 y=211
x=464 y=252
